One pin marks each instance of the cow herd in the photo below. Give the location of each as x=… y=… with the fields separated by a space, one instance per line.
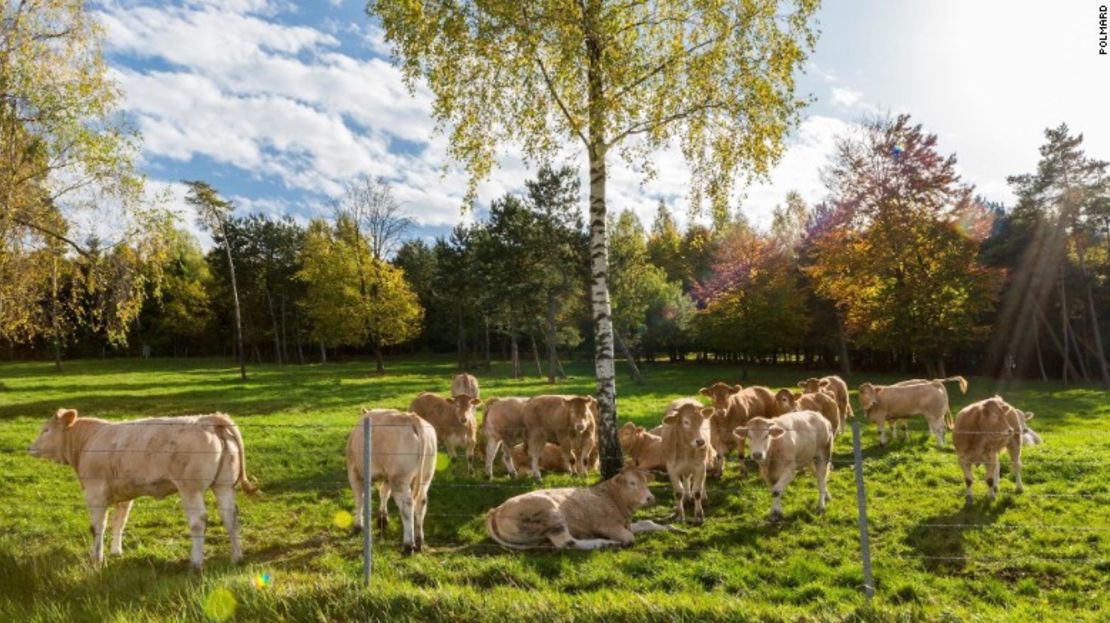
x=783 y=432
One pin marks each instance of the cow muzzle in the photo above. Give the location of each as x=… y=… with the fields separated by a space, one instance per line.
x=699 y=443
x=580 y=427
x=758 y=456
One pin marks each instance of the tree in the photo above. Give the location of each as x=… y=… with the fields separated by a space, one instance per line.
x=636 y=284
x=213 y=213
x=180 y=310
x=624 y=77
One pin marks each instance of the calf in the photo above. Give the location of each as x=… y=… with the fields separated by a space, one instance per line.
x=503 y=428
x=786 y=444
x=734 y=406
x=821 y=402
x=643 y=447
x=117 y=462
x=454 y=421
x=581 y=518
x=839 y=390
x=566 y=420
x=982 y=430
x=907 y=399
x=465 y=384
x=402 y=463
x=687 y=453
x=550 y=461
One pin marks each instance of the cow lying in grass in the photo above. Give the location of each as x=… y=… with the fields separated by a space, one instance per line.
x=641 y=446
x=579 y=518
x=981 y=431
x=117 y=462
x=785 y=444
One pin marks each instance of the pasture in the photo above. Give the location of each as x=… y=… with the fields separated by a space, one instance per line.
x=1041 y=555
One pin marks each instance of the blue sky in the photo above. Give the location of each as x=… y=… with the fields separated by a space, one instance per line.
x=277 y=103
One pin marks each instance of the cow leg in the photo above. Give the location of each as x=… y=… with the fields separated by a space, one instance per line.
x=697 y=483
x=419 y=512
x=402 y=495
x=507 y=458
x=777 y=490
x=679 y=496
x=356 y=491
x=938 y=430
x=969 y=478
x=470 y=443
x=229 y=515
x=618 y=534
x=491 y=454
x=992 y=477
x=1015 y=466
x=647 y=525
x=193 y=503
x=383 y=506
x=98 y=514
x=821 y=471
x=119 y=520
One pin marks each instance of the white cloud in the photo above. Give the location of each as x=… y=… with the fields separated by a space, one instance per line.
x=845 y=97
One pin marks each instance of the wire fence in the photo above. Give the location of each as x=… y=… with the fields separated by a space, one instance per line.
x=861 y=460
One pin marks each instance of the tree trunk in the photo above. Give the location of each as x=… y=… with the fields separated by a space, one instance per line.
x=56 y=329
x=633 y=368
x=284 y=335
x=536 y=354
x=1064 y=326
x=323 y=353
x=489 y=360
x=514 y=348
x=842 y=344
x=274 y=322
x=1096 y=334
x=378 y=357
x=1083 y=371
x=559 y=366
x=460 y=341
x=235 y=299
x=1055 y=340
x=1037 y=348
x=552 y=353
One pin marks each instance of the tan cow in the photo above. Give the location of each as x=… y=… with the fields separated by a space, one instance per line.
x=906 y=399
x=820 y=401
x=454 y=421
x=839 y=390
x=641 y=446
x=503 y=428
x=117 y=462
x=566 y=420
x=581 y=518
x=687 y=453
x=783 y=445
x=734 y=406
x=465 y=384
x=550 y=461
x=402 y=463
x=982 y=430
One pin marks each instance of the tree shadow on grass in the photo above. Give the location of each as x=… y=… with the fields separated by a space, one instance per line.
x=939 y=540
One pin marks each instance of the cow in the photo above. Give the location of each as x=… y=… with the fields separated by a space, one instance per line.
x=820 y=401
x=503 y=428
x=454 y=421
x=465 y=384
x=579 y=518
x=402 y=463
x=783 y=445
x=687 y=453
x=981 y=431
x=907 y=399
x=643 y=447
x=566 y=420
x=734 y=406
x=117 y=462
x=550 y=461
x=839 y=390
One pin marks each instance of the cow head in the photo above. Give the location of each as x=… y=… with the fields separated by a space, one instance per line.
x=689 y=418
x=629 y=488
x=50 y=444
x=786 y=400
x=628 y=435
x=721 y=393
x=580 y=409
x=464 y=407
x=760 y=432
x=868 y=395
x=811 y=385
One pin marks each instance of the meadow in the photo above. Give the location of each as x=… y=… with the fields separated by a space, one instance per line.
x=1042 y=555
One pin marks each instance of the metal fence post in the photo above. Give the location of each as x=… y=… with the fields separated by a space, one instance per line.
x=367 y=539
x=861 y=504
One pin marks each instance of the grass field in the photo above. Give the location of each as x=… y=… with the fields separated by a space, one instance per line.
x=1043 y=555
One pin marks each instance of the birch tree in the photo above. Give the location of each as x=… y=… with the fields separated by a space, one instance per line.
x=715 y=78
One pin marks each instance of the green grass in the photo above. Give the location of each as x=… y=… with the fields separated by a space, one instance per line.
x=735 y=567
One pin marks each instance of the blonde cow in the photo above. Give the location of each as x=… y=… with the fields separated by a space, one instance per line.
x=786 y=444
x=641 y=446
x=687 y=453
x=550 y=461
x=117 y=462
x=836 y=386
x=820 y=401
x=579 y=518
x=503 y=428
x=906 y=399
x=565 y=420
x=402 y=463
x=454 y=421
x=734 y=406
x=982 y=430
x=465 y=384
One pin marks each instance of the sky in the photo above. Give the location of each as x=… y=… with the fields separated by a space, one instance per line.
x=277 y=103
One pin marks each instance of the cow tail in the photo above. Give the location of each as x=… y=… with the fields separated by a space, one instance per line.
x=422 y=435
x=948 y=421
x=248 y=487
x=960 y=379
x=495 y=534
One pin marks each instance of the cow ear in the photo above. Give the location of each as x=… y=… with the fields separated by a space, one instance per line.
x=1028 y=416
x=705 y=391
x=670 y=418
x=796 y=395
x=776 y=432
x=740 y=431
x=67 y=416
x=475 y=401
x=877 y=390
x=640 y=429
x=801 y=383
x=707 y=412
x=736 y=388
x=823 y=383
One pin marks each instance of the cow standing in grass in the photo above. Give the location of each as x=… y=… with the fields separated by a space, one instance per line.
x=565 y=420
x=687 y=453
x=820 y=401
x=981 y=431
x=734 y=406
x=465 y=384
x=454 y=421
x=906 y=399
x=402 y=463
x=117 y=462
x=837 y=388
x=503 y=428
x=783 y=445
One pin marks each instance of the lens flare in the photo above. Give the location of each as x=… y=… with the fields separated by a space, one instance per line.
x=262 y=580
x=343 y=520
x=896 y=150
x=220 y=605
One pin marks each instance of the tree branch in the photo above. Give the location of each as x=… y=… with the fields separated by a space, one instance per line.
x=551 y=86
